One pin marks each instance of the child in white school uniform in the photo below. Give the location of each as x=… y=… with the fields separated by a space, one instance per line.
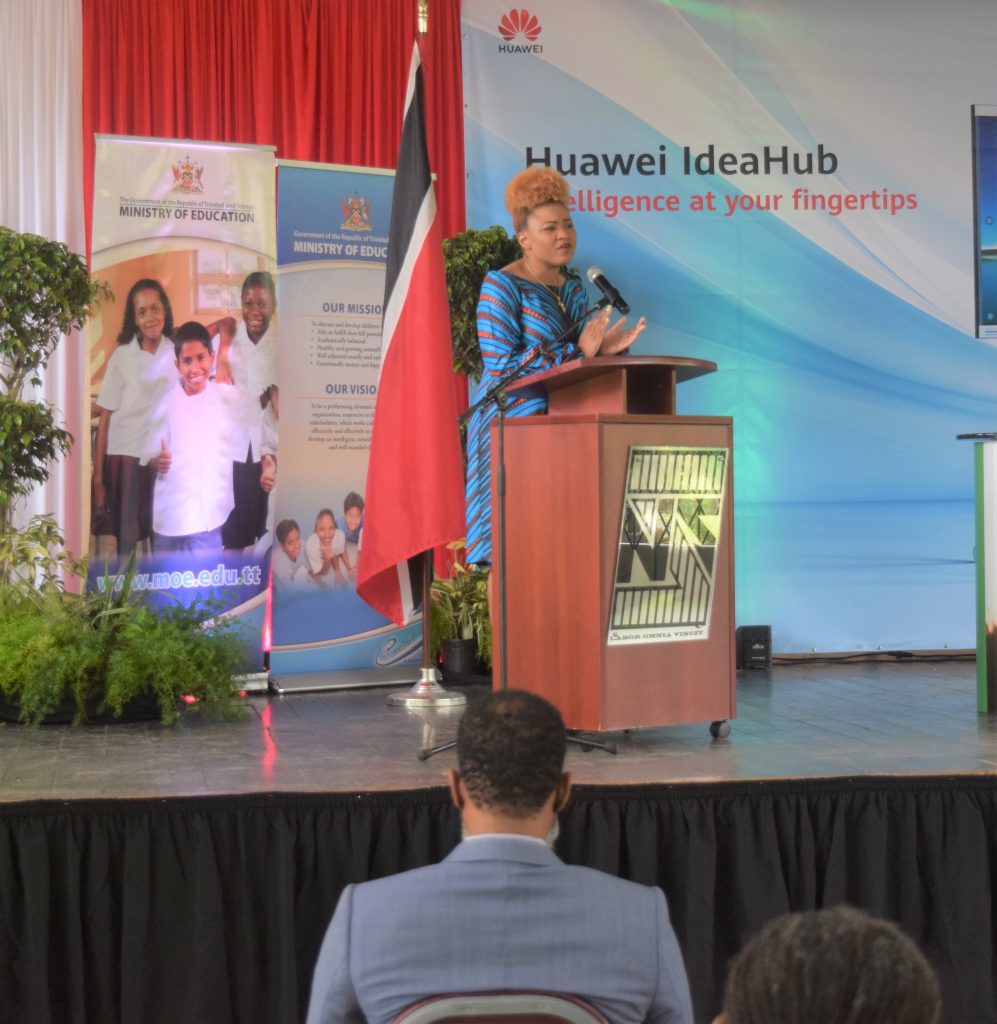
x=249 y=361
x=136 y=379
x=191 y=447
x=288 y=568
x=323 y=550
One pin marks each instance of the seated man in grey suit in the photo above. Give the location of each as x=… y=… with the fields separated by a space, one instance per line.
x=502 y=911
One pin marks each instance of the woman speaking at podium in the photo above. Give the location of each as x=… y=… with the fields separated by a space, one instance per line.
x=530 y=317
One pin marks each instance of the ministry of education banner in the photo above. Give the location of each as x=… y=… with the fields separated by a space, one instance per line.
x=332 y=248
x=182 y=370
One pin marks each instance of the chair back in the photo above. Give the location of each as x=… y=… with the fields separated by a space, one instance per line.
x=502 y=1008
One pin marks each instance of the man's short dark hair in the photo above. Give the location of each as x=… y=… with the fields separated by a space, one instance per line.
x=828 y=967
x=510 y=751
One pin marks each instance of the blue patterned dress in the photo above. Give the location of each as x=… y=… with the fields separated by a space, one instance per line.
x=515 y=319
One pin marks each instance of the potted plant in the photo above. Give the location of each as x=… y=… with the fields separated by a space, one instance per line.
x=460 y=625
x=99 y=655
x=76 y=653
x=467 y=257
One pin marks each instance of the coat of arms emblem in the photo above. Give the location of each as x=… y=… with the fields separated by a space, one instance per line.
x=187 y=177
x=356 y=213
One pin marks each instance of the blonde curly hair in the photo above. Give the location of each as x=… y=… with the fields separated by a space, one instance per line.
x=536 y=186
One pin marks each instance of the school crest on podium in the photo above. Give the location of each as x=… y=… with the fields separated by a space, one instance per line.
x=669 y=533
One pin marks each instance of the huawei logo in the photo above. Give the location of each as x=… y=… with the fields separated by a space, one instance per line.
x=519 y=22
x=523 y=27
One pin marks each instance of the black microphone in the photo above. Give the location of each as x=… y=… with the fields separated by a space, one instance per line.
x=613 y=297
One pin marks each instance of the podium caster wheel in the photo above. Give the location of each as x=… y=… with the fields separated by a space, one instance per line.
x=720 y=730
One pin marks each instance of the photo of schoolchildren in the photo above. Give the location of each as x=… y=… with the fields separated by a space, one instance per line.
x=138 y=375
x=190 y=447
x=351 y=525
x=287 y=566
x=248 y=360
x=323 y=550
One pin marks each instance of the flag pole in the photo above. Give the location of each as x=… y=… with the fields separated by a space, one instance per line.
x=427 y=692
x=415 y=479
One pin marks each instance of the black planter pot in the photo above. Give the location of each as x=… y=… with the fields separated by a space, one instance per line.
x=460 y=657
x=143 y=708
x=461 y=666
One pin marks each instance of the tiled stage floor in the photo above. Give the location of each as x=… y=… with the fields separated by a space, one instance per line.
x=797 y=720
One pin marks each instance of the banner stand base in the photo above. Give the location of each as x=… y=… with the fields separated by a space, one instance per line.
x=347 y=679
x=253 y=682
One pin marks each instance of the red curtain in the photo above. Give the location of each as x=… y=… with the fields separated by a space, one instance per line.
x=322 y=80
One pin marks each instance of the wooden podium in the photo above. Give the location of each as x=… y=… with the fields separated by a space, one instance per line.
x=621 y=622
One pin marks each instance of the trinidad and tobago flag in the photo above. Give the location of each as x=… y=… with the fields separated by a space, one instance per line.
x=415 y=481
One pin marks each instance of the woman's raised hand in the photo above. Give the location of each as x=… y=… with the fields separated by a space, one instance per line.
x=619 y=337
x=598 y=338
x=590 y=340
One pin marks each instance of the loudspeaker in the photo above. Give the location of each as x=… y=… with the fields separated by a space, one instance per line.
x=754 y=646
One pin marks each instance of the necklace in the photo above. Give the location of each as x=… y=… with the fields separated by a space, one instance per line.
x=554 y=289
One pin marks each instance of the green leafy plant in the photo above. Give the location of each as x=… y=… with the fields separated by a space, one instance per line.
x=459 y=609
x=467 y=257
x=99 y=651
x=175 y=655
x=45 y=291
x=35 y=561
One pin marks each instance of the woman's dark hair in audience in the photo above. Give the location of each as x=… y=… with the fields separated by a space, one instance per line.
x=837 y=966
